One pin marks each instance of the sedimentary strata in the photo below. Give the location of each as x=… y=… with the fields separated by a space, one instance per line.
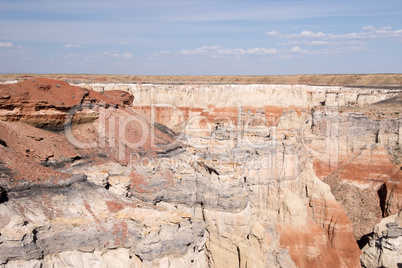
x=196 y=175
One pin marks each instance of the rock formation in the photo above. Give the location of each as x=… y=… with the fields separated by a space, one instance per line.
x=135 y=175
x=385 y=246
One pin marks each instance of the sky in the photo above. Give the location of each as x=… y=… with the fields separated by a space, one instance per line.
x=201 y=37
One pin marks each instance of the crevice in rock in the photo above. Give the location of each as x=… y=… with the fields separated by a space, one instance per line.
x=363 y=241
x=61 y=162
x=3 y=143
x=34 y=238
x=238 y=256
x=3 y=196
x=158 y=199
x=382 y=194
x=210 y=169
x=203 y=213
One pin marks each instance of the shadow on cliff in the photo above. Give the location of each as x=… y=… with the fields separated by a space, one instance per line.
x=363 y=241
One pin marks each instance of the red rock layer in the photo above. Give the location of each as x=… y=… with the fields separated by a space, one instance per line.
x=45 y=103
x=174 y=116
x=371 y=166
x=35 y=143
x=309 y=246
x=370 y=169
x=393 y=201
x=330 y=216
x=315 y=245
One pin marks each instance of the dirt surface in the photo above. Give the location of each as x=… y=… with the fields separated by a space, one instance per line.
x=353 y=80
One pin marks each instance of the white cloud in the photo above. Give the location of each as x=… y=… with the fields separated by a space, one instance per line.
x=72 y=45
x=321 y=43
x=217 y=50
x=317 y=47
x=250 y=51
x=368 y=28
x=107 y=54
x=312 y=34
x=330 y=48
x=368 y=32
x=69 y=56
x=113 y=54
x=165 y=54
x=296 y=49
x=15 y=51
x=262 y=51
x=273 y=33
x=201 y=50
x=127 y=56
x=6 y=44
x=231 y=51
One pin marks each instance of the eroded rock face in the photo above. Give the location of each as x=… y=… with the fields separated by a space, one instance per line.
x=362 y=162
x=254 y=201
x=385 y=246
x=353 y=134
x=239 y=183
x=84 y=218
x=52 y=215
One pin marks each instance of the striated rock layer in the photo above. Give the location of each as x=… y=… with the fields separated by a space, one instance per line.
x=353 y=134
x=195 y=175
x=52 y=215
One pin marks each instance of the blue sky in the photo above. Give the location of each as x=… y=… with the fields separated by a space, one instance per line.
x=201 y=37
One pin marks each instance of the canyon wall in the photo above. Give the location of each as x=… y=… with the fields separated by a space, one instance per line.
x=352 y=135
x=195 y=175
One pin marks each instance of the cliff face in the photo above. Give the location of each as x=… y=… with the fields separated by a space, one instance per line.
x=352 y=134
x=253 y=176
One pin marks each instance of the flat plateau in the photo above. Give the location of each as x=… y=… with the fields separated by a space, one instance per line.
x=348 y=80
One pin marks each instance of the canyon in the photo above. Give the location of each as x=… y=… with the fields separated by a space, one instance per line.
x=114 y=171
